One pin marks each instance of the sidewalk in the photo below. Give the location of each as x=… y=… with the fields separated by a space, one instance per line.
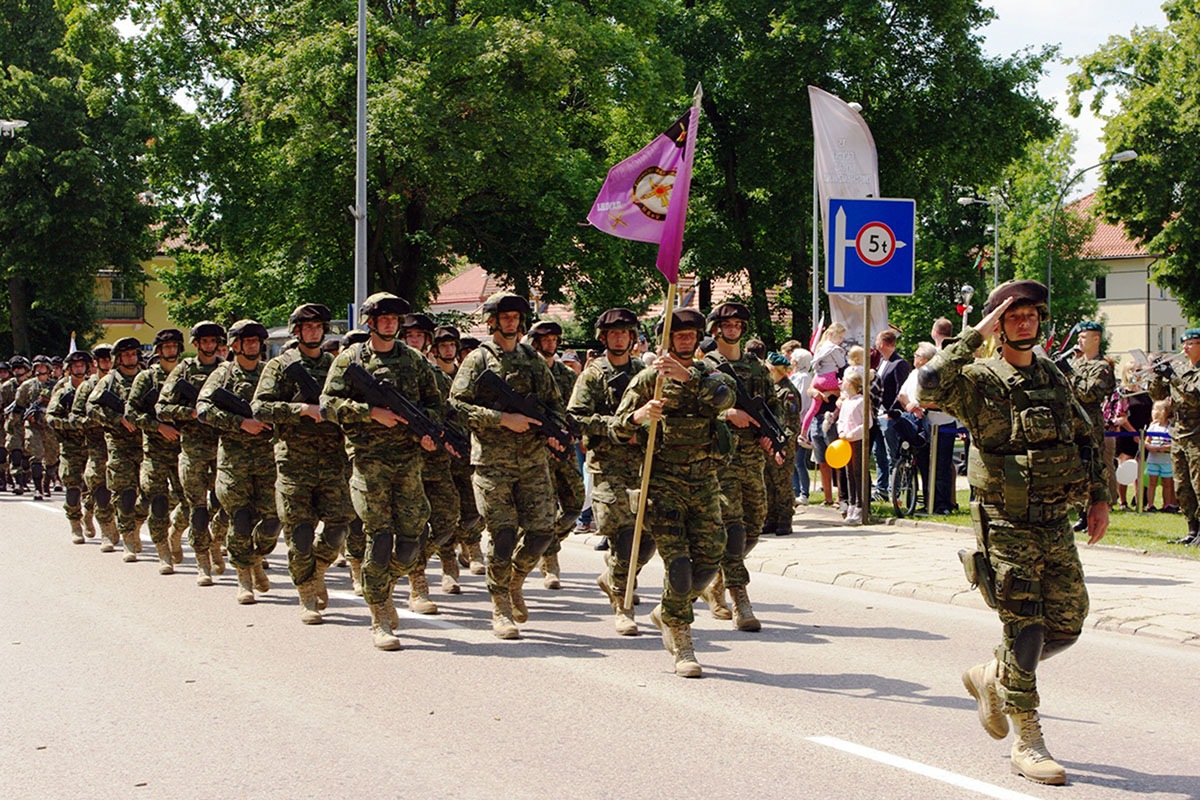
x=1146 y=595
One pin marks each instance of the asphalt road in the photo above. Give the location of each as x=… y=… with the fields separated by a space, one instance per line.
x=121 y=683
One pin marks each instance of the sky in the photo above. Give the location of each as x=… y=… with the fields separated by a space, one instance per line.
x=1079 y=27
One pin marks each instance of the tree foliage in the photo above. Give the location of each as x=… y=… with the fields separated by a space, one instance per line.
x=1152 y=75
x=70 y=181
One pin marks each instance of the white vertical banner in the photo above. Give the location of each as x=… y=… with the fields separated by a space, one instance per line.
x=846 y=166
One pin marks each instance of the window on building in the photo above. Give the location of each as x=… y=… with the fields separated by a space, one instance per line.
x=1102 y=287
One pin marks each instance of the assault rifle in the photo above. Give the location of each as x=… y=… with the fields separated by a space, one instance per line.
x=34 y=412
x=618 y=383
x=383 y=394
x=759 y=411
x=149 y=399
x=514 y=402
x=230 y=403
x=306 y=385
x=186 y=392
x=112 y=401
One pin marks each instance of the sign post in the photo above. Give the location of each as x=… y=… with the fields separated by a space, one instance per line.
x=870 y=253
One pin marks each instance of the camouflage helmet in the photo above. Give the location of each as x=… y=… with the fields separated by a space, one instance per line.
x=5 y=366
x=41 y=358
x=728 y=311
x=419 y=321
x=384 y=303
x=501 y=302
x=355 y=336
x=168 y=335
x=19 y=362
x=125 y=344
x=208 y=328
x=102 y=350
x=310 y=312
x=78 y=355
x=616 y=319
x=446 y=333
x=545 y=327
x=56 y=361
x=248 y=329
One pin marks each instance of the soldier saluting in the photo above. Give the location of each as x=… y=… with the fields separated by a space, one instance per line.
x=1031 y=466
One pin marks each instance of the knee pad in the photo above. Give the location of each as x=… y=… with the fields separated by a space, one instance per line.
x=270 y=528
x=408 y=551
x=382 y=545
x=243 y=521
x=73 y=496
x=335 y=535
x=103 y=495
x=646 y=547
x=38 y=472
x=624 y=543
x=679 y=575
x=128 y=500
x=538 y=544
x=159 y=506
x=1027 y=647
x=735 y=540
x=303 y=537
x=701 y=578
x=356 y=526
x=503 y=543
x=1053 y=647
x=16 y=459
x=199 y=518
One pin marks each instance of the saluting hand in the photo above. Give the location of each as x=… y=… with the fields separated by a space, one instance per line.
x=987 y=325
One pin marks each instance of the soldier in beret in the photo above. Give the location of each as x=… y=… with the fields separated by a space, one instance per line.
x=1031 y=467
x=1183 y=387
x=1093 y=380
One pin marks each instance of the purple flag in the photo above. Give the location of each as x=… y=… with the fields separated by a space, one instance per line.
x=671 y=246
x=638 y=192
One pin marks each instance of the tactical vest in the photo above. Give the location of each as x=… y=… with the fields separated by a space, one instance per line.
x=1040 y=464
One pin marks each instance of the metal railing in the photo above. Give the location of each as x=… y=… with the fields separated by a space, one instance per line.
x=120 y=309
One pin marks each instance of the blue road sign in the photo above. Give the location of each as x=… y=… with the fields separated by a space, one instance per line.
x=870 y=246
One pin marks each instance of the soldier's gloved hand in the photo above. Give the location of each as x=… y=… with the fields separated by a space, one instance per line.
x=1164 y=370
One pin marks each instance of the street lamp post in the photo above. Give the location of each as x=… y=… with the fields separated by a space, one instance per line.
x=995 y=204
x=359 y=209
x=1115 y=158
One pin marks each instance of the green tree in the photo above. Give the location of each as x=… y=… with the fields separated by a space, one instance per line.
x=70 y=181
x=490 y=126
x=1152 y=75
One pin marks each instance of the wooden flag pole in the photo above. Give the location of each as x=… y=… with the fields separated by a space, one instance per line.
x=648 y=461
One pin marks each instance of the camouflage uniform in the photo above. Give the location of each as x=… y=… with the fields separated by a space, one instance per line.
x=208 y=523
x=615 y=465
x=74 y=451
x=437 y=477
x=311 y=466
x=159 y=475
x=512 y=482
x=568 y=482
x=1028 y=477
x=95 y=471
x=1093 y=382
x=14 y=430
x=5 y=376
x=34 y=394
x=124 y=456
x=245 y=479
x=1183 y=387
x=778 y=477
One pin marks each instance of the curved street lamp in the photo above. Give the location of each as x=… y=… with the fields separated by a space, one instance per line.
x=1115 y=158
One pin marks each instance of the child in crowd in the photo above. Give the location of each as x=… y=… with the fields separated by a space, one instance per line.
x=1158 y=457
x=827 y=365
x=851 y=428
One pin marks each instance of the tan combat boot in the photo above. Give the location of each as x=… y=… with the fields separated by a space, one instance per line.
x=450 y=575
x=475 y=558
x=166 y=566
x=89 y=523
x=668 y=635
x=714 y=595
x=76 y=531
x=203 y=569
x=309 y=614
x=245 y=593
x=381 y=627
x=261 y=582
x=625 y=624
x=550 y=572
x=980 y=681
x=319 y=586
x=176 y=542
x=218 y=558
x=503 y=626
x=1030 y=758
x=743 y=612
x=686 y=665
x=355 y=576
x=418 y=593
x=133 y=544
x=110 y=540
x=516 y=593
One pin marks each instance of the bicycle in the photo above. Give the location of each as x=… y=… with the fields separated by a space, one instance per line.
x=906 y=470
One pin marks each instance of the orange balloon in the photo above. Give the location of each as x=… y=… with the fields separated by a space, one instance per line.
x=837 y=454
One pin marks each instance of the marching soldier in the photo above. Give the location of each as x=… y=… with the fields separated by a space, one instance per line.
x=1184 y=390
x=74 y=443
x=356 y=541
x=1091 y=377
x=545 y=337
x=1032 y=463
x=614 y=464
x=176 y=406
x=108 y=405
x=5 y=375
x=95 y=473
x=778 y=477
x=159 y=475
x=245 y=481
x=386 y=458
x=310 y=458
x=513 y=487
x=470 y=523
x=30 y=411
x=683 y=507
x=742 y=484
x=14 y=425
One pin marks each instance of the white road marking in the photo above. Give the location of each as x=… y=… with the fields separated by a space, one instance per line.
x=917 y=767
